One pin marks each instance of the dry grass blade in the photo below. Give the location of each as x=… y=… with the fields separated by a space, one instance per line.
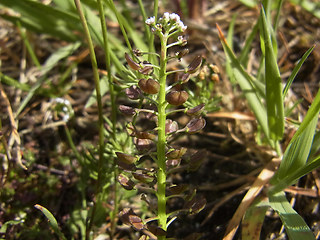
x=14 y=137
x=254 y=190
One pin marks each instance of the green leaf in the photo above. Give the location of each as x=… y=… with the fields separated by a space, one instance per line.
x=273 y=85
x=294 y=224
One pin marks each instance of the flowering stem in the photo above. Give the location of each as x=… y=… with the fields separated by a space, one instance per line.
x=161 y=159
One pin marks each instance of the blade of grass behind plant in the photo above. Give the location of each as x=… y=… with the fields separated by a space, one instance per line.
x=51 y=219
x=13 y=82
x=312 y=112
x=245 y=82
x=297 y=151
x=296 y=70
x=253 y=220
x=61 y=53
x=310 y=6
x=273 y=85
x=294 y=224
x=230 y=43
x=244 y=56
x=43 y=19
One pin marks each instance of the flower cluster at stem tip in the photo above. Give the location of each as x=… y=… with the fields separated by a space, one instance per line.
x=168 y=23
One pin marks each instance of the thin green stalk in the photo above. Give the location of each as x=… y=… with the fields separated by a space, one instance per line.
x=113 y=110
x=161 y=160
x=99 y=102
x=120 y=21
x=28 y=46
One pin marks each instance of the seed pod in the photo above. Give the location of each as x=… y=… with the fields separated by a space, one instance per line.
x=156 y=230
x=126 y=158
x=133 y=92
x=143 y=177
x=194 y=65
x=177 y=98
x=127 y=110
x=176 y=153
x=143 y=145
x=128 y=217
x=183 y=77
x=171 y=126
x=196 y=160
x=131 y=63
x=147 y=70
x=196 y=204
x=195 y=125
x=125 y=182
x=196 y=111
x=144 y=135
x=173 y=162
x=149 y=86
x=178 y=189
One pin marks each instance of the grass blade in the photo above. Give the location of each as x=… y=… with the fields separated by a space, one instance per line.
x=246 y=83
x=273 y=85
x=295 y=71
x=52 y=221
x=294 y=224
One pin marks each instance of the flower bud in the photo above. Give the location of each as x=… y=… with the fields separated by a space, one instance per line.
x=149 y=86
x=194 y=65
x=131 y=63
x=182 y=53
x=177 y=97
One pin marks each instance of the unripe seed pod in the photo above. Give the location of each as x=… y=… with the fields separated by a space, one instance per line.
x=177 y=98
x=195 y=125
x=131 y=63
x=194 y=65
x=176 y=153
x=126 y=158
x=149 y=86
x=196 y=111
x=127 y=110
x=125 y=182
x=133 y=92
x=171 y=126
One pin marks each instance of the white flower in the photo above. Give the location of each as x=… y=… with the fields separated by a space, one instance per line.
x=181 y=26
x=174 y=17
x=166 y=16
x=151 y=20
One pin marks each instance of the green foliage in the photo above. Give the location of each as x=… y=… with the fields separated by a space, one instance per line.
x=270 y=117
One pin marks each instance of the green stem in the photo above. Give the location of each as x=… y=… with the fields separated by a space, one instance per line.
x=161 y=159
x=100 y=121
